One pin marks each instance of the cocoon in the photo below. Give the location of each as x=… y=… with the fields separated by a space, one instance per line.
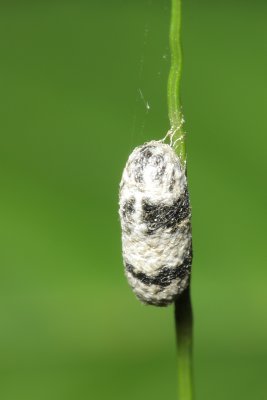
x=155 y=218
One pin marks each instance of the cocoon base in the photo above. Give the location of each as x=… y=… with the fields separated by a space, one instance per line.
x=155 y=220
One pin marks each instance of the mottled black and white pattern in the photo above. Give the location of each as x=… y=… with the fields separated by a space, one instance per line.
x=155 y=220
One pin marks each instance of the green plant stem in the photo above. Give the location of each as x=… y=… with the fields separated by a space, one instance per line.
x=184 y=334
x=183 y=308
x=174 y=106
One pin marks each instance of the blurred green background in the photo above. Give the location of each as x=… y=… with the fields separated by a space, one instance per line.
x=74 y=80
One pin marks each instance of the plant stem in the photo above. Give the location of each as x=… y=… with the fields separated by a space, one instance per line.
x=175 y=114
x=184 y=334
x=183 y=308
